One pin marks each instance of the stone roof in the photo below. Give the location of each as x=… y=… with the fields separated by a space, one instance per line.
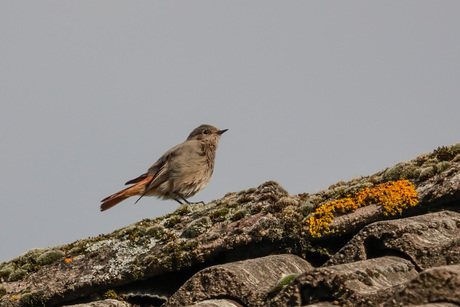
x=389 y=239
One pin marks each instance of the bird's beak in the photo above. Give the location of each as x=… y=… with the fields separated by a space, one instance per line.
x=221 y=131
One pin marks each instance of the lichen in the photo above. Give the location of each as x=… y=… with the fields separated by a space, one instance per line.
x=393 y=196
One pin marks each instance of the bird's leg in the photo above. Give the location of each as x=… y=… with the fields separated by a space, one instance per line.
x=198 y=202
x=184 y=199
x=178 y=201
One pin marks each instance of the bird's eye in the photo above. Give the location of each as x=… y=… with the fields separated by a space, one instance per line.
x=207 y=131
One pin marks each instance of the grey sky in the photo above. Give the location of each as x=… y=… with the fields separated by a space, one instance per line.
x=312 y=92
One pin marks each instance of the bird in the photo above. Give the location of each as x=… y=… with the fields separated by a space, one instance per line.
x=179 y=173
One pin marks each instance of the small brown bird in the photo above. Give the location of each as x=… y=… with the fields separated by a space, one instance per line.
x=180 y=173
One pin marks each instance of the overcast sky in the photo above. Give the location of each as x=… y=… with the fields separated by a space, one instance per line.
x=312 y=92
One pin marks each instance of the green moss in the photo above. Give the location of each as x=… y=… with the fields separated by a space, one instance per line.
x=30 y=267
x=245 y=198
x=306 y=208
x=77 y=248
x=427 y=172
x=442 y=166
x=50 y=257
x=444 y=153
x=283 y=282
x=183 y=210
x=31 y=255
x=282 y=203
x=168 y=237
x=197 y=227
x=151 y=260
x=32 y=299
x=135 y=233
x=156 y=231
x=135 y=271
x=17 y=275
x=232 y=205
x=403 y=170
x=238 y=215
x=2 y=291
x=178 y=254
x=6 y=271
x=111 y=294
x=291 y=218
x=219 y=215
x=245 y=192
x=173 y=221
x=255 y=208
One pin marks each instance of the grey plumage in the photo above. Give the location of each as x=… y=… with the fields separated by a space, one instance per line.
x=180 y=173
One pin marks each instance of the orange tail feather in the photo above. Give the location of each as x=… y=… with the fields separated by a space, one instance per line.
x=114 y=199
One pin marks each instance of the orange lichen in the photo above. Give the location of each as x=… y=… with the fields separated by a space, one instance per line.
x=393 y=196
x=67 y=260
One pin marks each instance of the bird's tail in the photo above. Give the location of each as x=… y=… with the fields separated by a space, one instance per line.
x=114 y=199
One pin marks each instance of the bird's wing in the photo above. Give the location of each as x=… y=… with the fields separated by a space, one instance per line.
x=160 y=169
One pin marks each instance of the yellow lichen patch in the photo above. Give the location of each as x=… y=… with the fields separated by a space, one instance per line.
x=393 y=196
x=14 y=298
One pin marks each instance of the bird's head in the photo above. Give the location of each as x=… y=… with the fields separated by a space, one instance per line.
x=205 y=132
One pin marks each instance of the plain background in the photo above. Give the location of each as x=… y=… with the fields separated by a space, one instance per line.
x=313 y=92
